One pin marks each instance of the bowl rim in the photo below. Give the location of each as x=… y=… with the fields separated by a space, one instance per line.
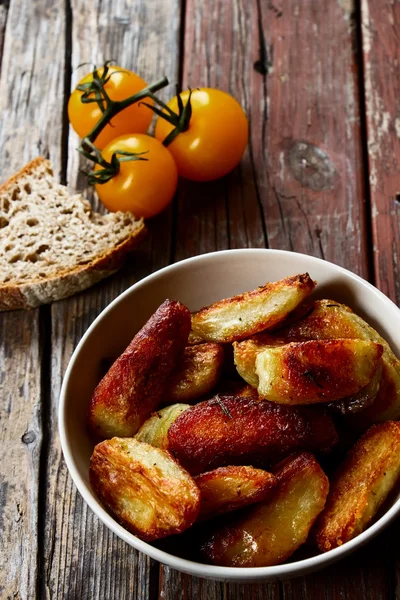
x=204 y=570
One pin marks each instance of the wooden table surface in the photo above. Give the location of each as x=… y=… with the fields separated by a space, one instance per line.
x=321 y=175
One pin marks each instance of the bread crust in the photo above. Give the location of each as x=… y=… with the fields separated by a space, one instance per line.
x=34 y=292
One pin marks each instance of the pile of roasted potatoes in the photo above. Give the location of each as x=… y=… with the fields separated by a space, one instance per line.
x=261 y=422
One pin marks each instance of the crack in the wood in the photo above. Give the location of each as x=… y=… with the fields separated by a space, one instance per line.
x=6 y=4
x=305 y=216
x=368 y=231
x=45 y=327
x=67 y=86
x=278 y=197
x=174 y=210
x=318 y=233
x=263 y=63
x=257 y=189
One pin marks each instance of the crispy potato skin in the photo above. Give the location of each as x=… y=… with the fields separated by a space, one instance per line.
x=241 y=316
x=133 y=387
x=231 y=488
x=272 y=530
x=329 y=320
x=317 y=370
x=154 y=431
x=234 y=430
x=198 y=371
x=360 y=486
x=143 y=488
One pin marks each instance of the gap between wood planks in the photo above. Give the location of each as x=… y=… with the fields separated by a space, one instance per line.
x=364 y=139
x=180 y=82
x=45 y=322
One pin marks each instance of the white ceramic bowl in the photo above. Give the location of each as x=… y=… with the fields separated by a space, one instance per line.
x=196 y=282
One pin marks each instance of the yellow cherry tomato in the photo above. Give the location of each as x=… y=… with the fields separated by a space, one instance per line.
x=216 y=138
x=143 y=187
x=121 y=84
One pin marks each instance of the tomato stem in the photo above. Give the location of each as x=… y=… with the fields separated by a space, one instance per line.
x=113 y=107
x=110 y=169
x=180 y=120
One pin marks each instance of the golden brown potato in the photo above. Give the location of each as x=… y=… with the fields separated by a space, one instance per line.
x=143 y=488
x=329 y=320
x=299 y=312
x=231 y=430
x=241 y=316
x=272 y=530
x=361 y=485
x=198 y=371
x=358 y=402
x=231 y=488
x=154 y=431
x=194 y=339
x=317 y=370
x=133 y=387
x=246 y=351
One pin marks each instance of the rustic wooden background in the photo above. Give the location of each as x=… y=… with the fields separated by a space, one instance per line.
x=321 y=176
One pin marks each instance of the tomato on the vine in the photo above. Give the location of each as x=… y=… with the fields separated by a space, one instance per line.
x=215 y=139
x=145 y=186
x=119 y=85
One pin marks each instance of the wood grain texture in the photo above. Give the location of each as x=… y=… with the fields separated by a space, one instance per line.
x=381 y=46
x=86 y=560
x=20 y=445
x=32 y=84
x=302 y=174
x=32 y=88
x=176 y=586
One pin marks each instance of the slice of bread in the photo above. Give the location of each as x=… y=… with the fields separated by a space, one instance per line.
x=52 y=244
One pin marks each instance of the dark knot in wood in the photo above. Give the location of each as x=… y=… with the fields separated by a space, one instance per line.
x=311 y=166
x=28 y=437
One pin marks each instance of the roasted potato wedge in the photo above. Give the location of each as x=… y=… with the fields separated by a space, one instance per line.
x=329 y=320
x=272 y=530
x=231 y=488
x=198 y=371
x=143 y=488
x=133 y=387
x=233 y=430
x=154 y=431
x=246 y=351
x=241 y=316
x=317 y=370
x=361 y=485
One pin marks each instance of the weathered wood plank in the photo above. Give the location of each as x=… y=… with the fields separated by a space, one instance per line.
x=353 y=577
x=86 y=560
x=311 y=143
x=20 y=443
x=381 y=47
x=32 y=88
x=303 y=168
